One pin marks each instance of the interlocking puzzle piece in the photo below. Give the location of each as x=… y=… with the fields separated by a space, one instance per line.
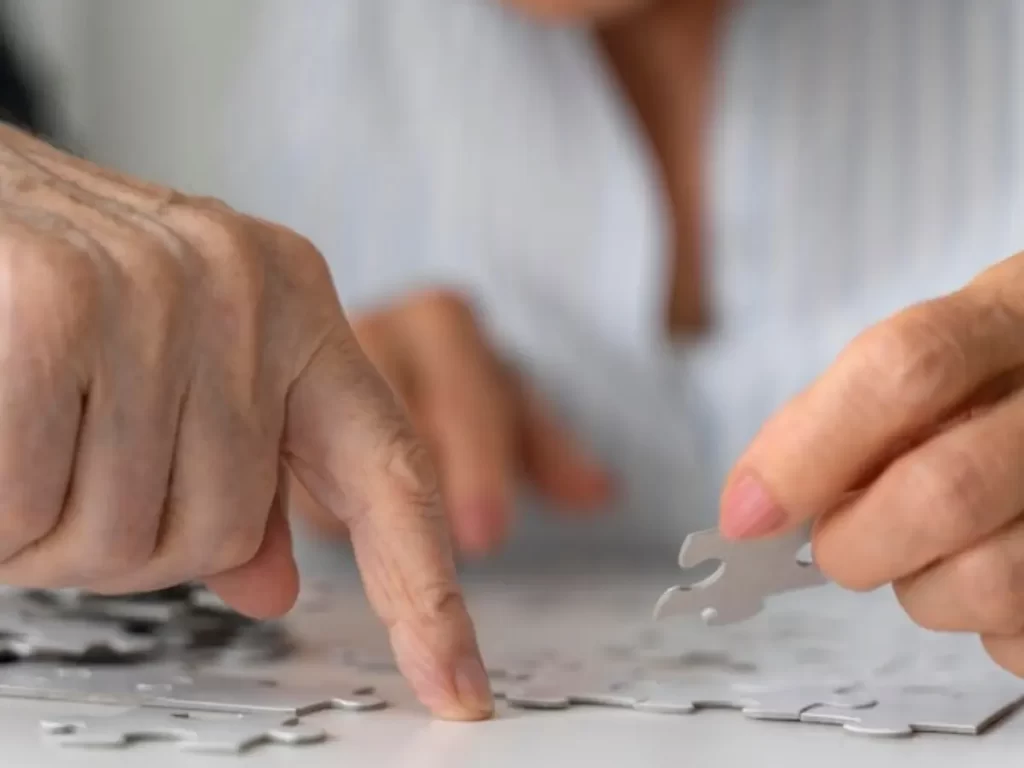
x=26 y=637
x=232 y=734
x=778 y=702
x=507 y=666
x=219 y=695
x=99 y=685
x=749 y=572
x=902 y=710
x=146 y=607
x=167 y=687
x=256 y=643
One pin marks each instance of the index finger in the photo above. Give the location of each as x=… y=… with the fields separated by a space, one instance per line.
x=891 y=384
x=350 y=444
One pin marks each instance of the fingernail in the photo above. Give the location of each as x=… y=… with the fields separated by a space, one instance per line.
x=474 y=687
x=480 y=527
x=748 y=511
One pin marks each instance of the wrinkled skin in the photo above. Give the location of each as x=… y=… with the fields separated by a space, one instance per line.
x=169 y=365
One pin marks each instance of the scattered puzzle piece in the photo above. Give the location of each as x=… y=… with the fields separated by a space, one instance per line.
x=904 y=710
x=167 y=687
x=749 y=572
x=232 y=734
x=27 y=637
x=219 y=695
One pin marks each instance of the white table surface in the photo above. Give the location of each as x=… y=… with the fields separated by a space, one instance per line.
x=809 y=634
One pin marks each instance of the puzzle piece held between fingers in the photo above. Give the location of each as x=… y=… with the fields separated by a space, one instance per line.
x=232 y=734
x=749 y=572
x=901 y=711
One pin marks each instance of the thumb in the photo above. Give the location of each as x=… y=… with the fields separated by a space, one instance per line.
x=268 y=585
x=349 y=442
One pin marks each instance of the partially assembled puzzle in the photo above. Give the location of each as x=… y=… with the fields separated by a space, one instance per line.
x=167 y=662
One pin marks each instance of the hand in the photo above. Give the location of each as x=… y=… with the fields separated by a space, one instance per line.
x=485 y=429
x=163 y=358
x=908 y=454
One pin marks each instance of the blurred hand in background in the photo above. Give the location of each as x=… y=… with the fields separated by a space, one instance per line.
x=485 y=428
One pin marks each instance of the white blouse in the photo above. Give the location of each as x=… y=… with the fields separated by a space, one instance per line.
x=866 y=155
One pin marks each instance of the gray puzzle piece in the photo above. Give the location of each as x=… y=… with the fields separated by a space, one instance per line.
x=78 y=603
x=166 y=687
x=103 y=685
x=231 y=735
x=25 y=637
x=508 y=666
x=766 y=703
x=218 y=696
x=903 y=710
x=750 y=571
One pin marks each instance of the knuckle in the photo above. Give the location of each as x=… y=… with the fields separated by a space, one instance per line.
x=407 y=467
x=437 y=602
x=235 y=534
x=950 y=491
x=21 y=525
x=108 y=559
x=990 y=579
x=912 y=359
x=239 y=548
x=223 y=238
x=51 y=293
x=445 y=304
x=302 y=262
x=220 y=229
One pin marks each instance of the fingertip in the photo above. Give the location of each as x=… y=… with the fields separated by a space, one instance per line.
x=749 y=510
x=480 y=527
x=580 y=487
x=441 y=661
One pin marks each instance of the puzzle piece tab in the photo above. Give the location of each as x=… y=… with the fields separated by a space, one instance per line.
x=232 y=734
x=749 y=572
x=904 y=710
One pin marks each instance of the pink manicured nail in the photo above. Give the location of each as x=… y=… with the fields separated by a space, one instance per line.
x=748 y=511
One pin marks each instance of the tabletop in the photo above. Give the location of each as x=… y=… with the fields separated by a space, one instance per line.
x=805 y=635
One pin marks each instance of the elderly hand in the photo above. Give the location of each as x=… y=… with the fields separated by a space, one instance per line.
x=484 y=427
x=908 y=454
x=164 y=358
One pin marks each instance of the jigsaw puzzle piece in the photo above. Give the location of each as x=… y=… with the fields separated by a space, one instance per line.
x=232 y=734
x=789 y=702
x=25 y=637
x=564 y=687
x=902 y=711
x=749 y=571
x=169 y=687
x=225 y=695
x=780 y=702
